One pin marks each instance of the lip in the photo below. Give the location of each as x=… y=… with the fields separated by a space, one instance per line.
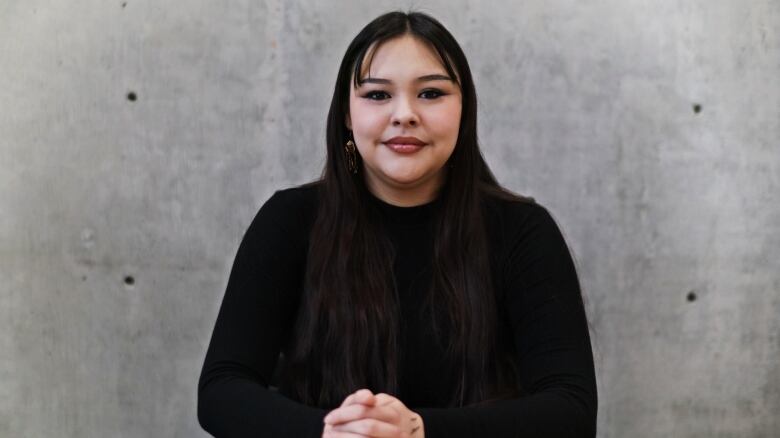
x=405 y=145
x=406 y=140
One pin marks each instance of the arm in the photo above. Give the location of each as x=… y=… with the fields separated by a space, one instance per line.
x=255 y=318
x=544 y=305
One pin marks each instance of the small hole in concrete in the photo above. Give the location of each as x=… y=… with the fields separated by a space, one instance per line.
x=124 y=4
x=131 y=96
x=83 y=278
x=691 y=296
x=129 y=280
x=696 y=108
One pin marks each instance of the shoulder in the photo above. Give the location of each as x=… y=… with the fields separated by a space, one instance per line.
x=289 y=212
x=510 y=211
x=291 y=206
x=295 y=199
x=527 y=245
x=517 y=224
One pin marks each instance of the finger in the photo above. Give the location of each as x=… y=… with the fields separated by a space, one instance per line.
x=384 y=399
x=364 y=396
x=348 y=401
x=387 y=400
x=369 y=427
x=358 y=412
x=334 y=434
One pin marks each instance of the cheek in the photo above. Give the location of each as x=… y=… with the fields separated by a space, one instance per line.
x=446 y=121
x=366 y=119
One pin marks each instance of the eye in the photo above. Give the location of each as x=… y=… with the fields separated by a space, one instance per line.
x=376 y=95
x=431 y=93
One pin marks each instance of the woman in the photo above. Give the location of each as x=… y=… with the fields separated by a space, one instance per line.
x=408 y=294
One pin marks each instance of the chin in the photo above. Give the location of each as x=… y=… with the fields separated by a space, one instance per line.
x=405 y=179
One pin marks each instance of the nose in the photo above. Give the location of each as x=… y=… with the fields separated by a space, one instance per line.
x=404 y=113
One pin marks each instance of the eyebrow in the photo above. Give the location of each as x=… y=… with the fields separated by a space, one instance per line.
x=426 y=78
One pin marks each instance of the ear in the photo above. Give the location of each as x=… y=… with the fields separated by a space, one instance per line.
x=348 y=122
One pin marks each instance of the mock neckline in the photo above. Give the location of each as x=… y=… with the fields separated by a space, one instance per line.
x=416 y=214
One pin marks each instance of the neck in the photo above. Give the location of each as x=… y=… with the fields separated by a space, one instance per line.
x=407 y=196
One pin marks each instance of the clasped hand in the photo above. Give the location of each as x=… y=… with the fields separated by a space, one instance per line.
x=364 y=414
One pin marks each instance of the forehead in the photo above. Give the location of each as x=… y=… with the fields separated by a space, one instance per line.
x=400 y=55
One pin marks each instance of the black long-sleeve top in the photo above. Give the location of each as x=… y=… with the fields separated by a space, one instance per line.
x=538 y=298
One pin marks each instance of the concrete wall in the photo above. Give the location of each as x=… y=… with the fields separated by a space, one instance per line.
x=138 y=138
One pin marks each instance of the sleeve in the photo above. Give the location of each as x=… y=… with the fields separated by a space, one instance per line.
x=554 y=355
x=255 y=317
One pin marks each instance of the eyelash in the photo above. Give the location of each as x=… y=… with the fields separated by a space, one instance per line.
x=373 y=95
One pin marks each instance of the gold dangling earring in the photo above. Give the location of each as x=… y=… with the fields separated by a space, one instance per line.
x=349 y=148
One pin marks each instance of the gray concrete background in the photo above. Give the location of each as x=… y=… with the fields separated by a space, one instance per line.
x=119 y=219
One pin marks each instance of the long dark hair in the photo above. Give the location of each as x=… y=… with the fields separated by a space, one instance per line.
x=346 y=334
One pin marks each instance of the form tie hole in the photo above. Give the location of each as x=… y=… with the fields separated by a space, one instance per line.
x=696 y=108
x=129 y=280
x=131 y=96
x=691 y=296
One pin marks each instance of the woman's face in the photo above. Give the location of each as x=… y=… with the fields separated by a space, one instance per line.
x=405 y=117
